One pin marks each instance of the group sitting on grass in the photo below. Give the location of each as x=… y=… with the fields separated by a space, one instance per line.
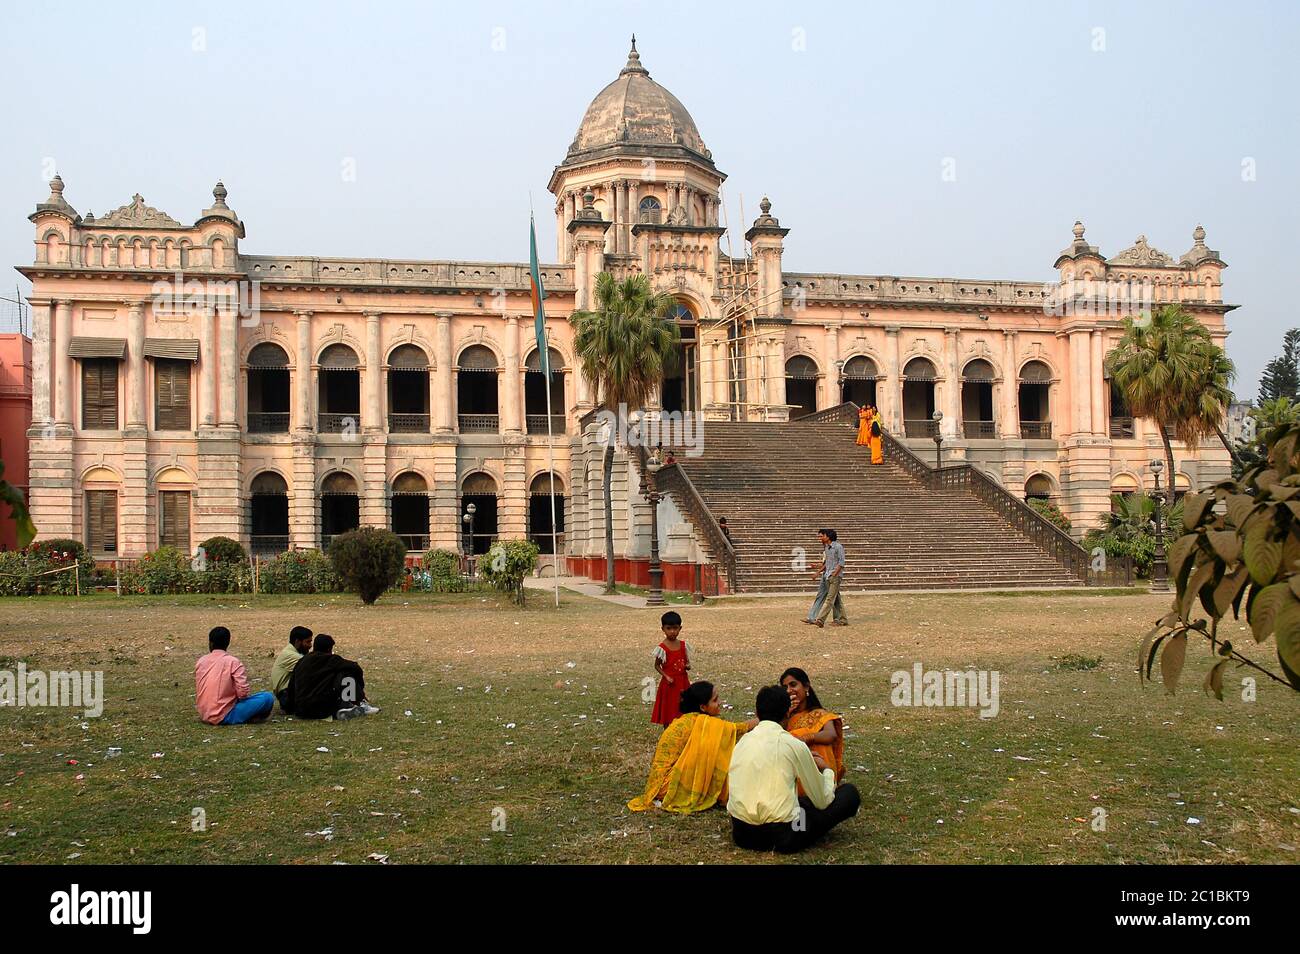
x=780 y=775
x=308 y=685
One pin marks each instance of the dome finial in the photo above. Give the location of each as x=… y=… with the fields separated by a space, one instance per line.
x=633 y=60
x=1078 y=231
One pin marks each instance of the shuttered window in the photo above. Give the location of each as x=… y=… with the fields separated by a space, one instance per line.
x=171 y=395
x=101 y=522
x=99 y=394
x=174 y=519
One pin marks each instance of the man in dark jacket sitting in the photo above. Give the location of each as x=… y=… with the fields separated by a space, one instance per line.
x=325 y=685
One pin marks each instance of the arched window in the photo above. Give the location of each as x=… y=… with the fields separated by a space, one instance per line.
x=859 y=381
x=1035 y=389
x=650 y=212
x=410 y=510
x=977 y=400
x=1123 y=485
x=478 y=529
x=536 y=387
x=339 y=391
x=539 y=513
x=340 y=509
x=476 y=391
x=408 y=391
x=801 y=385
x=919 y=376
x=268 y=390
x=268 y=514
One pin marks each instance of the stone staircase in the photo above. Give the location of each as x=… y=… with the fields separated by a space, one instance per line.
x=777 y=483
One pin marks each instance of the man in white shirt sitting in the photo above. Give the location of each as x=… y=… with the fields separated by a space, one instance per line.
x=765 y=808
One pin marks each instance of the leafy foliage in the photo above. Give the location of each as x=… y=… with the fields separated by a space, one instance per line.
x=1129 y=530
x=11 y=495
x=26 y=572
x=1051 y=511
x=507 y=563
x=1264 y=419
x=299 y=571
x=223 y=550
x=443 y=567
x=1168 y=369
x=1281 y=377
x=368 y=560
x=1247 y=553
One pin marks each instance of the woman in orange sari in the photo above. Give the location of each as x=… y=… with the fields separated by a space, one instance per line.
x=689 y=771
x=864 y=426
x=821 y=729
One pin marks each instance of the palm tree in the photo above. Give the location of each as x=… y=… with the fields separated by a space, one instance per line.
x=1168 y=369
x=624 y=346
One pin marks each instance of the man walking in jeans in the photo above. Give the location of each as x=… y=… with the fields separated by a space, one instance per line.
x=831 y=575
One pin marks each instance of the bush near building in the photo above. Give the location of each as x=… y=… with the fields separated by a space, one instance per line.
x=368 y=561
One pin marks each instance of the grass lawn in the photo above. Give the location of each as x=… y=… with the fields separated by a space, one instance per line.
x=535 y=718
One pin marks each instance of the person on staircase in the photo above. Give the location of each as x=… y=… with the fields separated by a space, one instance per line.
x=869 y=433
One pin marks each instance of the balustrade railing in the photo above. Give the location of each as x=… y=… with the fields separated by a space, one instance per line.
x=537 y=423
x=980 y=430
x=268 y=422
x=924 y=427
x=401 y=423
x=479 y=423
x=1036 y=430
x=338 y=423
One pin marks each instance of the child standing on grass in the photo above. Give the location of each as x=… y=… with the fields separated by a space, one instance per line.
x=672 y=661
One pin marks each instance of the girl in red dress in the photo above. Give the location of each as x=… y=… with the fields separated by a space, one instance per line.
x=672 y=660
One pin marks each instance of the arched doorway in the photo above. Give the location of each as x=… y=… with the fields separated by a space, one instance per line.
x=1035 y=388
x=859 y=384
x=1123 y=486
x=268 y=390
x=535 y=391
x=919 y=377
x=1039 y=487
x=680 y=390
x=539 y=513
x=339 y=391
x=268 y=514
x=478 y=533
x=408 y=390
x=801 y=385
x=476 y=391
x=977 y=400
x=410 y=510
x=340 y=508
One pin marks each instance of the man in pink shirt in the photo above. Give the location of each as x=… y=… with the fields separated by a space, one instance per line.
x=221 y=692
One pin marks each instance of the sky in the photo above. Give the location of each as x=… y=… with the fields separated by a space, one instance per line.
x=930 y=139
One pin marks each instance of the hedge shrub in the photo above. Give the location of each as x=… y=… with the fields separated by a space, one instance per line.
x=506 y=564
x=443 y=567
x=299 y=571
x=22 y=571
x=368 y=560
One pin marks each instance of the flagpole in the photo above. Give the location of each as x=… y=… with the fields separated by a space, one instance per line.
x=550 y=450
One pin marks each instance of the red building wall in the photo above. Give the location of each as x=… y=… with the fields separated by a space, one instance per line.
x=15 y=418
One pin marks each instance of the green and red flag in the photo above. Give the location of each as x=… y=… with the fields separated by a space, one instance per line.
x=539 y=296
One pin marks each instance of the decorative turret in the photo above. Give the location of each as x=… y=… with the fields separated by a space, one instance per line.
x=220 y=210
x=56 y=204
x=1078 y=248
x=766 y=223
x=1199 y=253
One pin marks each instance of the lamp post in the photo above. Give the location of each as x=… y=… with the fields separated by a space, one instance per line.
x=1159 y=569
x=653 y=464
x=839 y=380
x=937 y=417
x=467 y=518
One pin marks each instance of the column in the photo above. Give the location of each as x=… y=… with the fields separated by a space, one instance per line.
x=952 y=385
x=620 y=217
x=1010 y=427
x=135 y=369
x=62 y=362
x=372 y=419
x=41 y=369
x=1080 y=400
x=229 y=333
x=633 y=210
x=1096 y=383
x=442 y=374
x=720 y=372
x=610 y=208
x=511 y=412
x=579 y=274
x=208 y=366
x=302 y=419
x=830 y=374
x=893 y=389
x=566 y=237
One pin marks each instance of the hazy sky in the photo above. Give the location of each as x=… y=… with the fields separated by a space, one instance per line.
x=1134 y=117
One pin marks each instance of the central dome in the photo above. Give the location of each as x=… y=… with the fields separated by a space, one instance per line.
x=634 y=113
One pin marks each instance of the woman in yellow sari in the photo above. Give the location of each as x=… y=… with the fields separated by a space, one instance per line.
x=689 y=771
x=821 y=729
